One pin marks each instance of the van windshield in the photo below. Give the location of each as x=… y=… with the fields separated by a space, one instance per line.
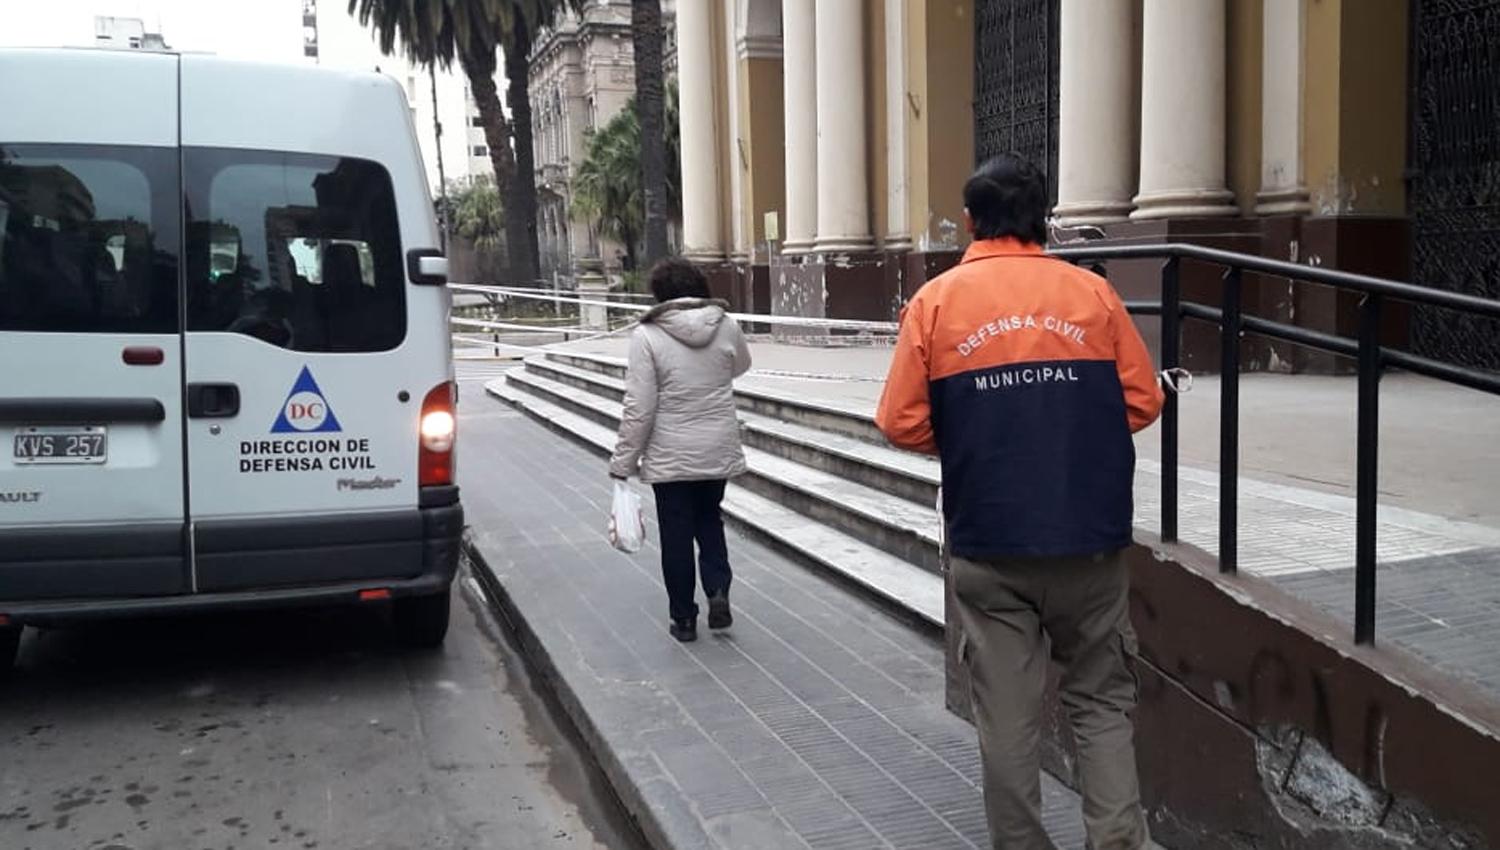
x=88 y=239
x=299 y=251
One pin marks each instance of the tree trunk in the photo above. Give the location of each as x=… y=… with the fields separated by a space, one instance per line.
x=480 y=70
x=518 y=74
x=646 y=32
x=632 y=256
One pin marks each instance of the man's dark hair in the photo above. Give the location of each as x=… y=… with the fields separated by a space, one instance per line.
x=675 y=278
x=1007 y=196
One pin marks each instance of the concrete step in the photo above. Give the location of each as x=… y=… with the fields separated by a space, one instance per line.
x=813 y=414
x=599 y=383
x=910 y=592
x=601 y=364
x=895 y=525
x=914 y=592
x=902 y=474
x=898 y=526
x=909 y=476
x=591 y=406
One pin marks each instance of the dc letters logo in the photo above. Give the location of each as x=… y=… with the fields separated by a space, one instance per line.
x=306 y=411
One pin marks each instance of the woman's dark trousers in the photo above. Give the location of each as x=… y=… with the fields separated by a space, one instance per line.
x=688 y=511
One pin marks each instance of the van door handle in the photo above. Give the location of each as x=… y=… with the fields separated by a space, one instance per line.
x=213 y=401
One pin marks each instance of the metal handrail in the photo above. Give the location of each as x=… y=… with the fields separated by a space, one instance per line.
x=1371 y=357
x=1399 y=290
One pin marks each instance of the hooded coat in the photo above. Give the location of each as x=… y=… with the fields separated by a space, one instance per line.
x=679 y=422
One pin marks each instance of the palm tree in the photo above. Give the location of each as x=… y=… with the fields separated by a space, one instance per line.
x=478 y=216
x=672 y=131
x=646 y=32
x=437 y=32
x=608 y=189
x=528 y=17
x=478 y=213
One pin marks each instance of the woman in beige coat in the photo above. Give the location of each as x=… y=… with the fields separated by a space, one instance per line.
x=680 y=433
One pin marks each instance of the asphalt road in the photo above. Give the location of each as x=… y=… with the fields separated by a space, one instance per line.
x=289 y=730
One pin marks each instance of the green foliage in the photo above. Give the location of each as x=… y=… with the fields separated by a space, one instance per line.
x=671 y=128
x=607 y=188
x=477 y=212
x=436 y=32
x=429 y=32
x=439 y=31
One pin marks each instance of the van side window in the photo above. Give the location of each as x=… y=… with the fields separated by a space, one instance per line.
x=88 y=239
x=300 y=251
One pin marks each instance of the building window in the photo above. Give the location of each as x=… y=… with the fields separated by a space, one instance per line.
x=481 y=150
x=476 y=121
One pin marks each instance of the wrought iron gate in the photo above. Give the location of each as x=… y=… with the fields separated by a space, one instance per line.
x=1455 y=171
x=1015 y=81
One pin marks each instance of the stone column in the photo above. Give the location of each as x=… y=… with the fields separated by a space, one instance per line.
x=843 y=189
x=898 y=221
x=801 y=110
x=1182 y=110
x=702 y=227
x=1096 y=124
x=1282 y=187
x=739 y=246
x=592 y=286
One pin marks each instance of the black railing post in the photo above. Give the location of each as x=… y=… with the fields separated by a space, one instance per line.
x=1367 y=463
x=1171 y=356
x=1229 y=424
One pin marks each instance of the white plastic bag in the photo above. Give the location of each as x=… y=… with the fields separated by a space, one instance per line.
x=627 y=521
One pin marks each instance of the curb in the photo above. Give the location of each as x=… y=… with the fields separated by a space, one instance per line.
x=656 y=832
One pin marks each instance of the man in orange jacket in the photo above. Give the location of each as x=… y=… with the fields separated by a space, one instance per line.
x=1025 y=375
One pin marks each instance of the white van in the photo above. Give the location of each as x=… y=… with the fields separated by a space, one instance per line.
x=225 y=370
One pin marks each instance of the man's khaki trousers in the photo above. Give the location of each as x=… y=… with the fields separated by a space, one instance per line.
x=1014 y=614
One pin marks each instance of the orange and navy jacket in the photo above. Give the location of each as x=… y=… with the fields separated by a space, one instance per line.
x=1027 y=377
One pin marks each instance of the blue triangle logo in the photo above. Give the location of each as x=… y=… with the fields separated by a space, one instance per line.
x=305 y=410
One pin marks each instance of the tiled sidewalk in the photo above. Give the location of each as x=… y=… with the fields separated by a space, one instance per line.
x=817 y=722
x=1286 y=531
x=1438 y=582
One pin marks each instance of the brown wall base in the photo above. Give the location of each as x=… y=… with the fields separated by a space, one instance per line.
x=1255 y=730
x=869 y=286
x=728 y=281
x=1366 y=245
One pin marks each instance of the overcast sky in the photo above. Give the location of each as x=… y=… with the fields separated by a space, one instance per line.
x=265 y=30
x=269 y=30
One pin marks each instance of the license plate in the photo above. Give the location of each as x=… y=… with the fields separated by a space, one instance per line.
x=50 y=444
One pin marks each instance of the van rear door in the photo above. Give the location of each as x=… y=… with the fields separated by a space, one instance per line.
x=92 y=498
x=304 y=387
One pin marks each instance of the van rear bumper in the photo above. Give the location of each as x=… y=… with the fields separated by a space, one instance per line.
x=259 y=564
x=344 y=593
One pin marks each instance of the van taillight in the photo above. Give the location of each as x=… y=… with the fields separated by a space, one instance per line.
x=438 y=429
